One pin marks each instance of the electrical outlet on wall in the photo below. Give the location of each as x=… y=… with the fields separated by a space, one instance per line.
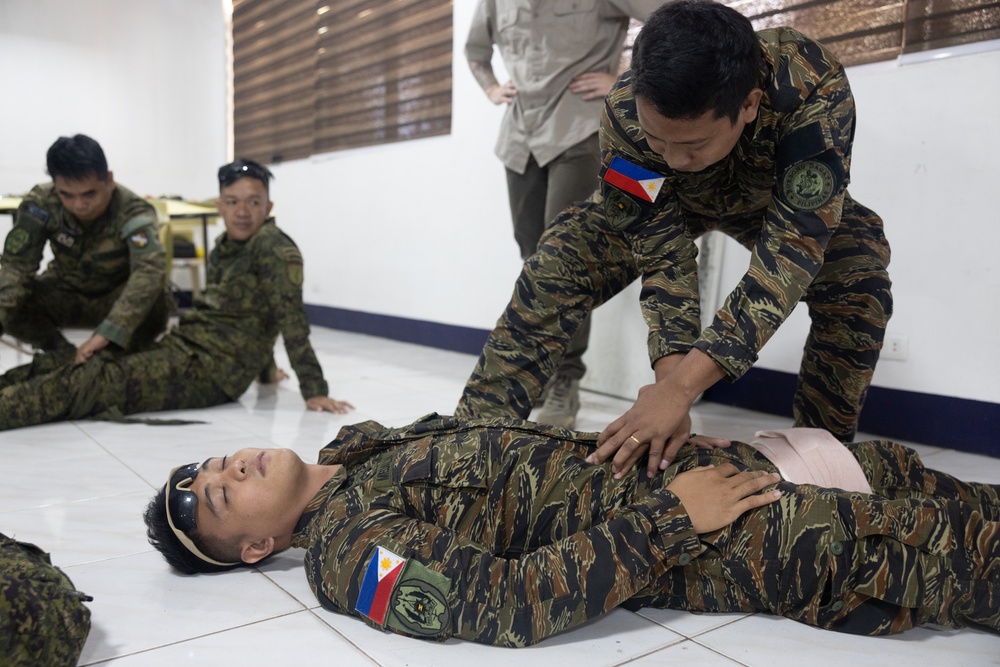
x=895 y=347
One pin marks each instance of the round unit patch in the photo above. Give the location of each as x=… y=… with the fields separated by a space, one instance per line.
x=620 y=210
x=808 y=185
x=16 y=241
x=418 y=607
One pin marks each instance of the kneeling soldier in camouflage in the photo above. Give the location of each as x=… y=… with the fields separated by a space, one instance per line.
x=254 y=292
x=501 y=532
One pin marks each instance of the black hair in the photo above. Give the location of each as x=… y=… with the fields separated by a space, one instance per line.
x=243 y=168
x=695 y=56
x=75 y=158
x=162 y=537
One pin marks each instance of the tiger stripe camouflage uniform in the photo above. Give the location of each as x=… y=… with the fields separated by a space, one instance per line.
x=108 y=274
x=498 y=531
x=254 y=292
x=782 y=193
x=43 y=620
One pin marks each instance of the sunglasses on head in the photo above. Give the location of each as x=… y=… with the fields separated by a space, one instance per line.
x=241 y=169
x=182 y=507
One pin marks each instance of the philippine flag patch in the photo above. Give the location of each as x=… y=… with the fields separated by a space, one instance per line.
x=383 y=570
x=633 y=179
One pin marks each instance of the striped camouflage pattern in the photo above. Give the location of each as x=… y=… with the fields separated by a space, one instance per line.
x=254 y=291
x=521 y=538
x=829 y=252
x=43 y=620
x=109 y=274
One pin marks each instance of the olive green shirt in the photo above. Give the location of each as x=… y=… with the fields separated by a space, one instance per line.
x=121 y=247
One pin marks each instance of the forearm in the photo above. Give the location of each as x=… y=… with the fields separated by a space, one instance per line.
x=483 y=73
x=689 y=374
x=145 y=285
x=306 y=366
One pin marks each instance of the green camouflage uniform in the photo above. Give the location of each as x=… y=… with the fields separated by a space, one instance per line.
x=506 y=536
x=109 y=274
x=782 y=193
x=43 y=620
x=254 y=293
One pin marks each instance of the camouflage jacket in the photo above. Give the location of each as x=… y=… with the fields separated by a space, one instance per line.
x=780 y=193
x=507 y=535
x=253 y=293
x=122 y=247
x=498 y=531
x=43 y=620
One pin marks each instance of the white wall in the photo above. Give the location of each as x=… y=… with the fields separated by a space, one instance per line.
x=147 y=80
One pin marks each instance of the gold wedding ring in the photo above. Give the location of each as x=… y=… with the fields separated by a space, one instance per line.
x=632 y=437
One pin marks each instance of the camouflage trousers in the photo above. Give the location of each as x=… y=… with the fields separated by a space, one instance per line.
x=170 y=375
x=582 y=262
x=43 y=620
x=50 y=307
x=925 y=548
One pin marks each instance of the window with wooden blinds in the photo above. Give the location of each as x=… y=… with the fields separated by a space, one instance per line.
x=864 y=31
x=383 y=72
x=935 y=24
x=274 y=78
x=313 y=76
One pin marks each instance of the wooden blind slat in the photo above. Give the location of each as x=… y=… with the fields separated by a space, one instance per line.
x=316 y=76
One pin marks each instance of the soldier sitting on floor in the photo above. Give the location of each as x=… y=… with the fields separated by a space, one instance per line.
x=254 y=292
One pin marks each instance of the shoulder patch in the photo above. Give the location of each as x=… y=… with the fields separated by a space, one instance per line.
x=37 y=213
x=294 y=272
x=16 y=241
x=633 y=179
x=808 y=185
x=620 y=210
x=419 y=604
x=139 y=240
x=378 y=584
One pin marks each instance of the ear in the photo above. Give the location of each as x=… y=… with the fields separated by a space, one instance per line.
x=270 y=205
x=748 y=110
x=111 y=178
x=252 y=552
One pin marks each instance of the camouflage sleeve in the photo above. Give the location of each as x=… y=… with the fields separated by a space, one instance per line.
x=449 y=586
x=147 y=275
x=22 y=254
x=812 y=164
x=281 y=267
x=669 y=295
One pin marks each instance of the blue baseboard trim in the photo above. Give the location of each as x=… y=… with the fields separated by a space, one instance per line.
x=941 y=421
x=431 y=334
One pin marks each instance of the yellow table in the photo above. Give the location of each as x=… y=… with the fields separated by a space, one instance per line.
x=183 y=214
x=9 y=205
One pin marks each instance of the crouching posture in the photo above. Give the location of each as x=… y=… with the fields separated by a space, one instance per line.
x=499 y=531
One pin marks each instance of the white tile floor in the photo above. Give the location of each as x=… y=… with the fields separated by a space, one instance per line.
x=77 y=490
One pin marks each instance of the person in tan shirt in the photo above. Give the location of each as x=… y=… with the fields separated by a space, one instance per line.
x=563 y=57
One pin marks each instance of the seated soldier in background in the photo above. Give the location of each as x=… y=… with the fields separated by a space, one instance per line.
x=501 y=532
x=253 y=293
x=108 y=270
